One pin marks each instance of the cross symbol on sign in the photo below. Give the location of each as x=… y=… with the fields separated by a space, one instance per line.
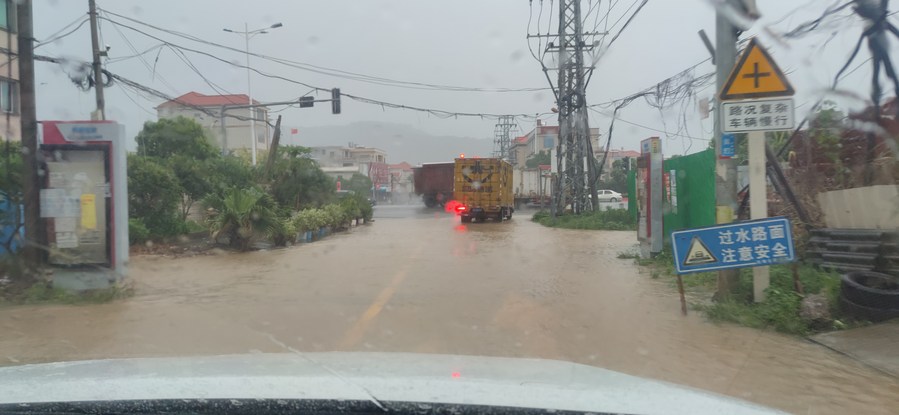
x=756 y=74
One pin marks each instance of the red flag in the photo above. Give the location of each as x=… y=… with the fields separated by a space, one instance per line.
x=294 y=131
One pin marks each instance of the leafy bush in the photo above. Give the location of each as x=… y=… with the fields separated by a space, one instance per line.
x=154 y=195
x=336 y=216
x=308 y=220
x=282 y=231
x=351 y=208
x=241 y=215
x=137 y=231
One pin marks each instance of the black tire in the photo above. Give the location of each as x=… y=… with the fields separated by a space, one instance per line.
x=871 y=289
x=867 y=313
x=466 y=219
x=430 y=202
x=613 y=200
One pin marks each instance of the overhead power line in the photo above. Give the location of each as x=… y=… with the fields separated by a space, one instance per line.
x=57 y=36
x=440 y=113
x=317 y=68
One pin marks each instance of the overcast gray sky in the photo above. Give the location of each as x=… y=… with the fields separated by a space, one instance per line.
x=473 y=43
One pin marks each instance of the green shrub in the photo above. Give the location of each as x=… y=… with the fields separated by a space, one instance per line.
x=351 y=207
x=336 y=216
x=154 y=196
x=241 y=215
x=283 y=231
x=137 y=231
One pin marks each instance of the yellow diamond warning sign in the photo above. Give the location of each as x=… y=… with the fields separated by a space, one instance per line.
x=755 y=76
x=698 y=253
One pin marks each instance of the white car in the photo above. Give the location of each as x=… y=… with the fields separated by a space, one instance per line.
x=608 y=196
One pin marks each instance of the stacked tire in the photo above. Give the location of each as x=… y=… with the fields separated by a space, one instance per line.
x=869 y=295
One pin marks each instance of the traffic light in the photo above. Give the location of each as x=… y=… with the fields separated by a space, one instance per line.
x=306 y=102
x=335 y=100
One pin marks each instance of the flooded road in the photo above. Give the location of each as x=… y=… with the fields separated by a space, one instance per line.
x=419 y=281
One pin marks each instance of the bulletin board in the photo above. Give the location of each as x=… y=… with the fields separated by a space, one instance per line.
x=75 y=204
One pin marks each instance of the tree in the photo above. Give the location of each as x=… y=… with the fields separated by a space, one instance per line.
x=359 y=184
x=153 y=197
x=541 y=158
x=180 y=136
x=297 y=182
x=182 y=145
x=618 y=175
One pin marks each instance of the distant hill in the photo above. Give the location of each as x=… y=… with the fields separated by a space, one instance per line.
x=401 y=142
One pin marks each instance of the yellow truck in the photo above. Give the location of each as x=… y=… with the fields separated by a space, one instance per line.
x=482 y=189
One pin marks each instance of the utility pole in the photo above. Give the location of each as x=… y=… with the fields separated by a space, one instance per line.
x=98 y=69
x=575 y=185
x=725 y=167
x=502 y=136
x=725 y=57
x=34 y=235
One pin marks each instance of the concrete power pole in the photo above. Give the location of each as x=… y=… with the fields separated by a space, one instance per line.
x=502 y=136
x=726 y=35
x=34 y=235
x=575 y=186
x=98 y=74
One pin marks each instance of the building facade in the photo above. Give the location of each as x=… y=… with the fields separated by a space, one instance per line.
x=206 y=110
x=348 y=156
x=340 y=163
x=10 y=121
x=401 y=184
x=543 y=138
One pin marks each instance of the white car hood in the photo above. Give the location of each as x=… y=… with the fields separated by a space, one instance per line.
x=375 y=377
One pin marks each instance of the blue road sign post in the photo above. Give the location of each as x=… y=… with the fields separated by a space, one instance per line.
x=733 y=245
x=728 y=145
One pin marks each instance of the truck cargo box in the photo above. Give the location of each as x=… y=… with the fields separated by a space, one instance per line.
x=434 y=182
x=483 y=189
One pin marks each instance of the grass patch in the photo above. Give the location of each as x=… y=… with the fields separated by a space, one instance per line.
x=46 y=293
x=782 y=304
x=779 y=311
x=627 y=255
x=610 y=219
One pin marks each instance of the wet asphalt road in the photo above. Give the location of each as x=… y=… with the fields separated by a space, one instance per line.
x=420 y=281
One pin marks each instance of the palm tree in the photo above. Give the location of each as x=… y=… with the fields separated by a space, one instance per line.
x=241 y=215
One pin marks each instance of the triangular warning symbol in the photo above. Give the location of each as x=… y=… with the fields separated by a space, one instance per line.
x=755 y=76
x=699 y=254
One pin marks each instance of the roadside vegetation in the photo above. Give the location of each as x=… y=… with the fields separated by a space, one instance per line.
x=782 y=309
x=181 y=188
x=610 y=219
x=177 y=170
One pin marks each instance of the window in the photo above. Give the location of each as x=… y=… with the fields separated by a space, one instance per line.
x=7 y=15
x=547 y=141
x=9 y=96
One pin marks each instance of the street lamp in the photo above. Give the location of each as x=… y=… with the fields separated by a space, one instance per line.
x=247 y=35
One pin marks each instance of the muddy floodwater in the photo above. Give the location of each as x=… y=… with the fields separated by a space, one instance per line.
x=419 y=281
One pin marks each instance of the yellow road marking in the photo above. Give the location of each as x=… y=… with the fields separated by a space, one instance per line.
x=354 y=334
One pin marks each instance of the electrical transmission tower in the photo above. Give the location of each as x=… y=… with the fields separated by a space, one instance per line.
x=502 y=136
x=575 y=184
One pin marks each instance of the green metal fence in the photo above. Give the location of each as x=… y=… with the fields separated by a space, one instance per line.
x=688 y=193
